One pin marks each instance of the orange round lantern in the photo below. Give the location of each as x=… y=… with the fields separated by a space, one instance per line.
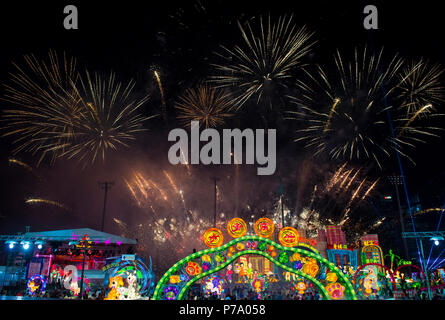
x=213 y=237
x=288 y=237
x=264 y=227
x=236 y=227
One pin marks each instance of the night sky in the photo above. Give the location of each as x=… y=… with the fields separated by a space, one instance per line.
x=180 y=39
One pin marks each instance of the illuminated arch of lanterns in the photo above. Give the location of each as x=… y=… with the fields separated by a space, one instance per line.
x=295 y=254
x=288 y=237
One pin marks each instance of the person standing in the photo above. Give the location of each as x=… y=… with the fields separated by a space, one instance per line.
x=243 y=273
x=249 y=272
x=229 y=273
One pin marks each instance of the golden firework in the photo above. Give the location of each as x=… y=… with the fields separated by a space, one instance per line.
x=58 y=113
x=45 y=106
x=210 y=106
x=355 y=117
x=270 y=52
x=51 y=202
x=110 y=118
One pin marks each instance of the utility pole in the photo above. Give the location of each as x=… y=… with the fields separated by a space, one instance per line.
x=105 y=186
x=214 y=212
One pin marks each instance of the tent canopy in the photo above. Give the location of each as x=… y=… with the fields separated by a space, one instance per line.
x=76 y=235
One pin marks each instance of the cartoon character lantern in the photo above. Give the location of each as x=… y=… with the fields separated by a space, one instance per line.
x=114 y=284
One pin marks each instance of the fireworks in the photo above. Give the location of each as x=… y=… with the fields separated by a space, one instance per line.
x=161 y=90
x=170 y=216
x=266 y=60
x=121 y=224
x=185 y=161
x=161 y=191
x=25 y=166
x=438 y=210
x=45 y=105
x=21 y=163
x=207 y=105
x=419 y=86
x=172 y=182
x=143 y=190
x=280 y=211
x=109 y=117
x=334 y=200
x=147 y=192
x=57 y=113
x=378 y=223
x=175 y=226
x=348 y=119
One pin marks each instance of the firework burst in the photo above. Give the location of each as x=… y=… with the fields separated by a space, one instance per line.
x=45 y=105
x=144 y=191
x=266 y=60
x=210 y=106
x=109 y=119
x=420 y=85
x=335 y=199
x=58 y=113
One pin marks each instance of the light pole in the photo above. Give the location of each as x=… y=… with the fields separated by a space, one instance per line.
x=396 y=181
x=424 y=269
x=431 y=235
x=214 y=212
x=282 y=203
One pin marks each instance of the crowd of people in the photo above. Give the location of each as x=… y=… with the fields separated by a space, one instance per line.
x=53 y=291
x=276 y=290
x=241 y=293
